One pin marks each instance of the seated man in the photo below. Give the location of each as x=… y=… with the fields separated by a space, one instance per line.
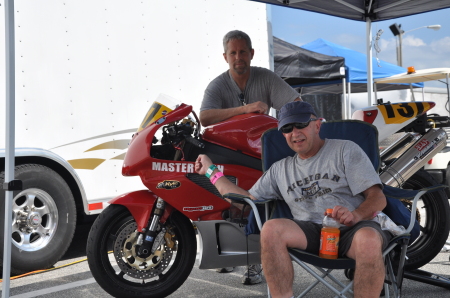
x=323 y=174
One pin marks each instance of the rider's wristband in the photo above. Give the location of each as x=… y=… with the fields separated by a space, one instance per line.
x=216 y=177
x=210 y=170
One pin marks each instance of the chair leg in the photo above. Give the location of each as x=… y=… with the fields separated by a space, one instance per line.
x=390 y=280
x=326 y=273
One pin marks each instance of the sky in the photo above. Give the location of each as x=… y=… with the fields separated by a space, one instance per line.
x=422 y=48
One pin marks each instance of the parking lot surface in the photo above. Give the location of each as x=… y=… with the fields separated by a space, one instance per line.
x=75 y=280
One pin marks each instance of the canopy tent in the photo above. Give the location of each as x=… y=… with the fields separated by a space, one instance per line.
x=364 y=10
x=298 y=66
x=367 y=11
x=356 y=69
x=423 y=75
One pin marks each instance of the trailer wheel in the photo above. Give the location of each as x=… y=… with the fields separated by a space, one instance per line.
x=43 y=219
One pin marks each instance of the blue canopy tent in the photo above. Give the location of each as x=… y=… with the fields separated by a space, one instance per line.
x=356 y=67
x=355 y=79
x=355 y=73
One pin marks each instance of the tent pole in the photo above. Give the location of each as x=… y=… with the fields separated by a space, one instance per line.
x=375 y=92
x=369 y=61
x=9 y=138
x=448 y=91
x=344 y=98
x=412 y=93
x=349 y=91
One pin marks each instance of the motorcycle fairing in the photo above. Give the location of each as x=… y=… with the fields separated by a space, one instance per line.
x=391 y=117
x=140 y=204
x=193 y=190
x=138 y=157
x=224 y=244
x=189 y=194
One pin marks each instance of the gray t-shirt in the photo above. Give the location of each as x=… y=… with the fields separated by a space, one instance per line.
x=336 y=175
x=263 y=85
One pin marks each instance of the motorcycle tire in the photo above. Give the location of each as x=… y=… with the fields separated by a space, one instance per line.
x=434 y=211
x=112 y=258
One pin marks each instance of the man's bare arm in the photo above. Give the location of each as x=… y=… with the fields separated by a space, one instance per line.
x=223 y=185
x=374 y=201
x=209 y=117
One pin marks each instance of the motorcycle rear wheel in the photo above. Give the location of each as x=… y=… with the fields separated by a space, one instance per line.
x=118 y=270
x=434 y=212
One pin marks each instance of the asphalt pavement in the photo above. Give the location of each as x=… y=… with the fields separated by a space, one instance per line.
x=75 y=280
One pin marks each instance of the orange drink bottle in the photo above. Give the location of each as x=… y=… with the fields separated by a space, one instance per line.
x=329 y=237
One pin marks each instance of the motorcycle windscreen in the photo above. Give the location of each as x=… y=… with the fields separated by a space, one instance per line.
x=163 y=105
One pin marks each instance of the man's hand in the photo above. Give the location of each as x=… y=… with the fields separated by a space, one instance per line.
x=256 y=107
x=345 y=216
x=202 y=164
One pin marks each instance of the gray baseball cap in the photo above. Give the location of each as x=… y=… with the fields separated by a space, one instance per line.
x=293 y=112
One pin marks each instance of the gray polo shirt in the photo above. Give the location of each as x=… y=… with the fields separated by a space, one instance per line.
x=263 y=85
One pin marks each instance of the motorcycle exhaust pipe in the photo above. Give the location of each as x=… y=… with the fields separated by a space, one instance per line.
x=414 y=158
x=397 y=148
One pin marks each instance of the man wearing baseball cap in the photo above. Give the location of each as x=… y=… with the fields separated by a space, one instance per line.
x=324 y=173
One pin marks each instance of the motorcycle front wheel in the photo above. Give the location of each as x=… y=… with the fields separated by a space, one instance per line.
x=112 y=258
x=433 y=214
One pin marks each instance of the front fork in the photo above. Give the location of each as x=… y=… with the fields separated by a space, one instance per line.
x=149 y=236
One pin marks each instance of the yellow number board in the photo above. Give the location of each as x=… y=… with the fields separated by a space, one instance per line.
x=401 y=112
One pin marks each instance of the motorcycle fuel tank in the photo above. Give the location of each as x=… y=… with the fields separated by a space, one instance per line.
x=243 y=133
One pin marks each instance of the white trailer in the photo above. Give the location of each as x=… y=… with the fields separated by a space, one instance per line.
x=86 y=73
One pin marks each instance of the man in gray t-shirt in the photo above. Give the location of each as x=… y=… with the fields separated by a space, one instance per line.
x=243 y=88
x=323 y=174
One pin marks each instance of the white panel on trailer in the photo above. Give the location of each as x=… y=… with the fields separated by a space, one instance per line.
x=88 y=70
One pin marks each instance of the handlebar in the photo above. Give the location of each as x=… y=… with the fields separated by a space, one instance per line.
x=195 y=142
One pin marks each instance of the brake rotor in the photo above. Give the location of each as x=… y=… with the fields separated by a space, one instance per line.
x=125 y=248
x=408 y=204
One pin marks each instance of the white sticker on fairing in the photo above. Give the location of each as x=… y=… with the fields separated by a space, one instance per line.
x=200 y=208
x=176 y=167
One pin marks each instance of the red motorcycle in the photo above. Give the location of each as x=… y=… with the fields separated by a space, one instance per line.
x=145 y=243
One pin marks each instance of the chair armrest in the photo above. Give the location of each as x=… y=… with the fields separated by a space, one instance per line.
x=241 y=199
x=237 y=198
x=413 y=210
x=409 y=194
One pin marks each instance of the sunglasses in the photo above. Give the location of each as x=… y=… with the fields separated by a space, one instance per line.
x=299 y=125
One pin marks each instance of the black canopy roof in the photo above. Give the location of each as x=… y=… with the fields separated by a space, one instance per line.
x=299 y=66
x=360 y=10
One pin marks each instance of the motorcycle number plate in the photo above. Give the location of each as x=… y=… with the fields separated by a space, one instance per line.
x=401 y=112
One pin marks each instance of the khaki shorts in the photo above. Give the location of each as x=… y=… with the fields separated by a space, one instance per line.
x=312 y=232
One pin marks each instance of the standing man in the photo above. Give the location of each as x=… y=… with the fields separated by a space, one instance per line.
x=240 y=90
x=351 y=186
x=243 y=88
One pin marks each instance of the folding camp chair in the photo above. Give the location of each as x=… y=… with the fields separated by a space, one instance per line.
x=274 y=148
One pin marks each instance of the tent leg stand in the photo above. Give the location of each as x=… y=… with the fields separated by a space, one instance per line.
x=428 y=278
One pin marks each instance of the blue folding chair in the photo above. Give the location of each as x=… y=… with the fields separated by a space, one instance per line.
x=274 y=148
